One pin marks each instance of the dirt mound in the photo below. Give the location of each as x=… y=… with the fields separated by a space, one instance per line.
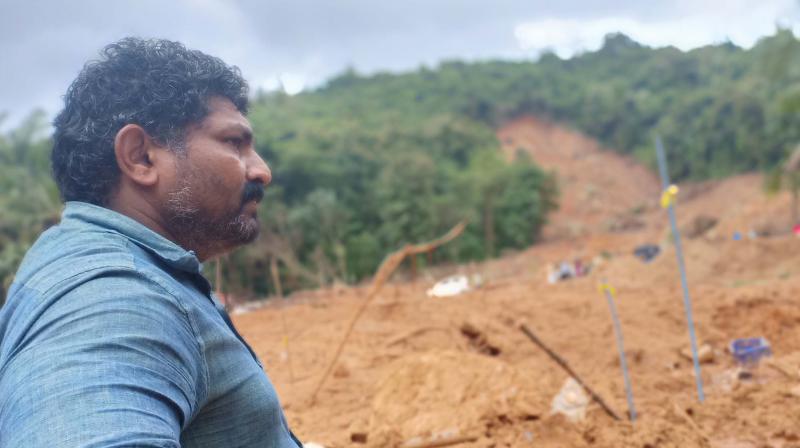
x=418 y=397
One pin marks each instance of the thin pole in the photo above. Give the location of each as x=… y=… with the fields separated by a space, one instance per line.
x=687 y=300
x=560 y=361
x=609 y=292
x=276 y=276
x=286 y=342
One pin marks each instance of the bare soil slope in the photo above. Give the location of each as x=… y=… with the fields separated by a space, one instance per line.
x=418 y=368
x=600 y=190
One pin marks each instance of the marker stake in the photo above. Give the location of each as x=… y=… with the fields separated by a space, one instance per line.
x=668 y=202
x=609 y=293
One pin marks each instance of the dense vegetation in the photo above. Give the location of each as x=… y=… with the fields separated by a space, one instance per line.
x=365 y=164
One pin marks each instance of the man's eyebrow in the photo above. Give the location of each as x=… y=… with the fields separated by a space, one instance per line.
x=246 y=131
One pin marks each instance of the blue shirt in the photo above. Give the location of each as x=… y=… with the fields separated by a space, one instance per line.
x=110 y=337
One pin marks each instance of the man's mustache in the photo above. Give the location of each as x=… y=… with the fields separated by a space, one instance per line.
x=253 y=191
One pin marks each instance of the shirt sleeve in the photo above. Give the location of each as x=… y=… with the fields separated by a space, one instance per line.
x=112 y=363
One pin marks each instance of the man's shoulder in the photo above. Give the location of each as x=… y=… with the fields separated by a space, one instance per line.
x=87 y=281
x=63 y=254
x=82 y=267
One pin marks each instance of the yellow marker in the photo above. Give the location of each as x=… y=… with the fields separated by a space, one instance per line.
x=603 y=287
x=668 y=196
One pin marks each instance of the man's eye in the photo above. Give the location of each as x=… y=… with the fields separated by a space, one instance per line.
x=237 y=142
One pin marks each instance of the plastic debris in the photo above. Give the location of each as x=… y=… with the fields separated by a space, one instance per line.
x=567 y=270
x=571 y=401
x=647 y=252
x=581 y=269
x=749 y=351
x=450 y=286
x=312 y=445
x=560 y=272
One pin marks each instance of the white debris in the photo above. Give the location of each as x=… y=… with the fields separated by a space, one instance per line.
x=571 y=401
x=450 y=286
x=247 y=307
x=312 y=445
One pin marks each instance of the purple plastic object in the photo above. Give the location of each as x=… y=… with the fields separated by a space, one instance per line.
x=750 y=350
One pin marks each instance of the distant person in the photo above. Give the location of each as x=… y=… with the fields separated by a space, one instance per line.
x=111 y=335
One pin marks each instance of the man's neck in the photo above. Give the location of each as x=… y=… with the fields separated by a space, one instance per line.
x=139 y=209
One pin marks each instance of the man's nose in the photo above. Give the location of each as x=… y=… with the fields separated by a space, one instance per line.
x=258 y=170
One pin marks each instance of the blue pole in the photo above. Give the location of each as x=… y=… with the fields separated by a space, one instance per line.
x=621 y=347
x=687 y=300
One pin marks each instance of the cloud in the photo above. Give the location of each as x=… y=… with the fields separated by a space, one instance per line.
x=691 y=25
x=301 y=43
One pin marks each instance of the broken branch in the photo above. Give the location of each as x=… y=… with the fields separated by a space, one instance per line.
x=563 y=364
x=385 y=270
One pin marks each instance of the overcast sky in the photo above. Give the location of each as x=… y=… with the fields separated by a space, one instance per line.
x=43 y=44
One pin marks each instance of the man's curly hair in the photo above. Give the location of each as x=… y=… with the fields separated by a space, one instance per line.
x=158 y=84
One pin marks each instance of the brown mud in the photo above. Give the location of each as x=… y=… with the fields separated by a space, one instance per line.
x=419 y=368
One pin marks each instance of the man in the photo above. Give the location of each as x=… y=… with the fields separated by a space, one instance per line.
x=110 y=335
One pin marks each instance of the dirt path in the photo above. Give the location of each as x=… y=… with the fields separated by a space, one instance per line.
x=418 y=367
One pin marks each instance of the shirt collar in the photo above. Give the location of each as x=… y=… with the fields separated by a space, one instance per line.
x=86 y=214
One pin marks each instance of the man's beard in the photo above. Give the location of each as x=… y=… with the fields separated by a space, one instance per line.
x=197 y=229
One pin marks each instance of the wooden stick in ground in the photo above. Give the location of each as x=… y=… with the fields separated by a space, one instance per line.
x=383 y=273
x=560 y=361
x=440 y=442
x=276 y=277
x=282 y=312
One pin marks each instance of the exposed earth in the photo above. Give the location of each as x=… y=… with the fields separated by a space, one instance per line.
x=419 y=370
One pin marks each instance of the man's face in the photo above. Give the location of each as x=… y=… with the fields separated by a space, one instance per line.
x=212 y=203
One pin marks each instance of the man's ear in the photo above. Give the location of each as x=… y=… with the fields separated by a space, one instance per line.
x=135 y=150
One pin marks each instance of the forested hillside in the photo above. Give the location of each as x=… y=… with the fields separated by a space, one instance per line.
x=365 y=164
x=720 y=109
